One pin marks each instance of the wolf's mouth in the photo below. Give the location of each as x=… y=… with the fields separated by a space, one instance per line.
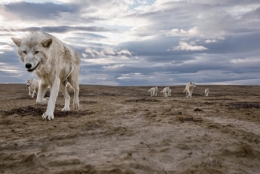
x=31 y=70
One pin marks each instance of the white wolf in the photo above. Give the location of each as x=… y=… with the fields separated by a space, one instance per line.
x=169 y=92
x=207 y=92
x=153 y=91
x=189 y=89
x=156 y=91
x=33 y=86
x=166 y=91
x=54 y=63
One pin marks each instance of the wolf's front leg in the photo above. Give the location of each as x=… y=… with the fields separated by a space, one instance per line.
x=40 y=95
x=191 y=91
x=187 y=94
x=29 y=91
x=33 y=93
x=53 y=97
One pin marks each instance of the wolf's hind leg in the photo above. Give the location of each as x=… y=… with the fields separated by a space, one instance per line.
x=66 y=96
x=75 y=85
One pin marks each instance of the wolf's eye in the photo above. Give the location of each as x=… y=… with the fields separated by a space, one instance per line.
x=36 y=52
x=24 y=52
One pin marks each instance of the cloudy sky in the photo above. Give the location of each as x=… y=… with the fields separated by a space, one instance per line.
x=142 y=42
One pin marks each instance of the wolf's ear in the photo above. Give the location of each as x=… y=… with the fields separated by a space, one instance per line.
x=46 y=42
x=16 y=41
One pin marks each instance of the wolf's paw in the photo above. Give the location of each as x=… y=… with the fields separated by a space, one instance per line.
x=47 y=116
x=76 y=105
x=65 y=109
x=43 y=102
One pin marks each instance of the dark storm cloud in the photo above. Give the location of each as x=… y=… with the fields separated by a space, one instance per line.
x=156 y=49
x=236 y=2
x=151 y=47
x=167 y=58
x=40 y=10
x=174 y=68
x=235 y=44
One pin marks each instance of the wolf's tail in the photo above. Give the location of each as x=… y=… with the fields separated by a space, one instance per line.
x=71 y=70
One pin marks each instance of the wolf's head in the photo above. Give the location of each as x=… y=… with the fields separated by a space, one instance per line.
x=193 y=84
x=33 y=50
x=28 y=82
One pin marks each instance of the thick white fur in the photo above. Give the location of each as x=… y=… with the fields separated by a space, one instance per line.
x=33 y=86
x=169 y=92
x=153 y=91
x=189 y=89
x=166 y=91
x=207 y=92
x=156 y=91
x=54 y=63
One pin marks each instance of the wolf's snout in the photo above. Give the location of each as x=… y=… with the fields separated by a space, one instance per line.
x=28 y=65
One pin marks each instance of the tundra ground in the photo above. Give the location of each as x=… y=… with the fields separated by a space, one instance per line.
x=124 y=130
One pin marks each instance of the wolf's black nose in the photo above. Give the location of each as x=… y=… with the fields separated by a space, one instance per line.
x=28 y=65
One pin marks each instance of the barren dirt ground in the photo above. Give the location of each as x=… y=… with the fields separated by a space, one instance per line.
x=124 y=130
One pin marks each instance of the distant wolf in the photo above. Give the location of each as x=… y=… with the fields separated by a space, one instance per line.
x=169 y=92
x=153 y=91
x=33 y=86
x=55 y=63
x=189 y=89
x=156 y=91
x=166 y=91
x=207 y=92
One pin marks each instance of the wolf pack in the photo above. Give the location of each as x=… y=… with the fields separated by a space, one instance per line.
x=166 y=92
x=57 y=66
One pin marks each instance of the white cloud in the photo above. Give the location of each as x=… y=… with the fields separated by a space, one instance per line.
x=124 y=52
x=142 y=1
x=4 y=67
x=161 y=2
x=7 y=1
x=213 y=40
x=5 y=48
x=93 y=53
x=106 y=52
x=181 y=32
x=210 y=40
x=246 y=62
x=187 y=47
